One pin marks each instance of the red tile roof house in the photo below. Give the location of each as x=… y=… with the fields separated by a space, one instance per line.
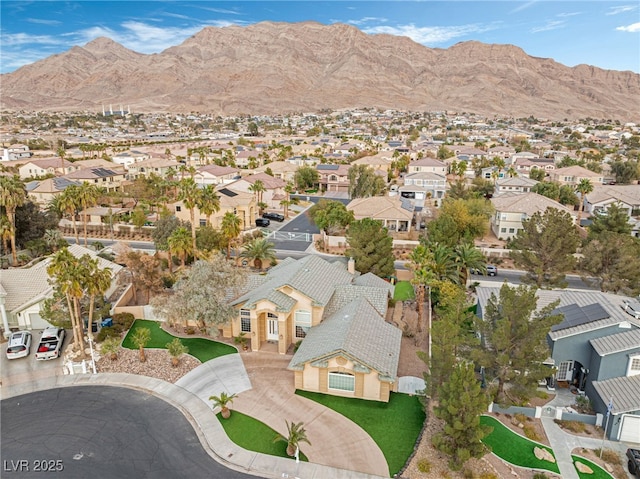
x=46 y=166
x=274 y=188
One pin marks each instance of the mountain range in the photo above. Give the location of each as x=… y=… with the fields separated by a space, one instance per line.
x=270 y=68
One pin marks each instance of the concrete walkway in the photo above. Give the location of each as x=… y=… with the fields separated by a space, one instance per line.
x=206 y=425
x=335 y=440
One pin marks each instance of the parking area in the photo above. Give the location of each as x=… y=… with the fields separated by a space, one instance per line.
x=15 y=371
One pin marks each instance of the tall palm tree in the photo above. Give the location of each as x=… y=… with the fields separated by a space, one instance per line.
x=296 y=434
x=5 y=233
x=258 y=188
x=190 y=194
x=97 y=283
x=88 y=195
x=230 y=228
x=584 y=187
x=259 y=250
x=13 y=194
x=209 y=202
x=420 y=260
x=66 y=203
x=180 y=243
x=468 y=257
x=288 y=189
x=444 y=266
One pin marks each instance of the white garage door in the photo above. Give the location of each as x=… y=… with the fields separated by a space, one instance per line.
x=630 y=429
x=37 y=322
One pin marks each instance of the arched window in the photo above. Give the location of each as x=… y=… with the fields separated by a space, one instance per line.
x=342 y=381
x=303 y=323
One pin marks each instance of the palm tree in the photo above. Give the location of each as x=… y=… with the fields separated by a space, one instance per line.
x=110 y=347
x=53 y=238
x=295 y=435
x=88 y=195
x=190 y=194
x=584 y=187
x=97 y=282
x=180 y=243
x=230 y=228
x=420 y=259
x=468 y=257
x=209 y=202
x=223 y=401
x=258 y=188
x=66 y=203
x=141 y=338
x=13 y=194
x=444 y=266
x=258 y=250
x=176 y=349
x=5 y=233
x=288 y=189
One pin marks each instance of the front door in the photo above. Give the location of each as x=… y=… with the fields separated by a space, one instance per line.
x=272 y=329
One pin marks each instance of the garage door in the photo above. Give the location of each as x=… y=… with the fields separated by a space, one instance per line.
x=630 y=429
x=37 y=322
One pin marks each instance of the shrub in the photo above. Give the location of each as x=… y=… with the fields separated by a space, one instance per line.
x=531 y=433
x=609 y=456
x=424 y=465
x=572 y=426
x=467 y=474
x=539 y=475
x=521 y=418
x=487 y=475
x=190 y=330
x=124 y=320
x=168 y=281
x=107 y=332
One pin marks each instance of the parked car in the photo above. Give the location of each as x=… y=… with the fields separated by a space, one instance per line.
x=262 y=222
x=273 y=216
x=631 y=307
x=50 y=344
x=19 y=345
x=634 y=461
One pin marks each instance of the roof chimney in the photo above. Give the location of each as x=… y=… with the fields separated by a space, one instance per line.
x=351 y=266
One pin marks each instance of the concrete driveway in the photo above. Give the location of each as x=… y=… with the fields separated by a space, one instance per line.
x=335 y=440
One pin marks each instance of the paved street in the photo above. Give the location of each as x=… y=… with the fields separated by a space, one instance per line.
x=103 y=432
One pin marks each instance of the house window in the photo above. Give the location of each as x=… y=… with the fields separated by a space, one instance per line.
x=342 y=381
x=512 y=230
x=503 y=230
x=245 y=321
x=178 y=208
x=203 y=222
x=303 y=323
x=634 y=366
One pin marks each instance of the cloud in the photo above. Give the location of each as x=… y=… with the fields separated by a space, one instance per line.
x=430 y=35
x=366 y=20
x=633 y=28
x=523 y=6
x=550 y=25
x=14 y=59
x=15 y=39
x=41 y=21
x=621 y=9
x=568 y=14
x=219 y=10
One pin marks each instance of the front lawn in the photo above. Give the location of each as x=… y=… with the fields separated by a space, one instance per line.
x=394 y=426
x=253 y=435
x=200 y=348
x=513 y=448
x=598 y=472
x=403 y=291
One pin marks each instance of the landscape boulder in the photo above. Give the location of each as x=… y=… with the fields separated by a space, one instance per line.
x=543 y=455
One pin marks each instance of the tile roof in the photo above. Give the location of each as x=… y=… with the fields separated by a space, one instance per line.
x=516 y=181
x=377 y=297
x=617 y=343
x=529 y=203
x=629 y=194
x=358 y=332
x=268 y=181
x=380 y=207
x=624 y=390
x=427 y=162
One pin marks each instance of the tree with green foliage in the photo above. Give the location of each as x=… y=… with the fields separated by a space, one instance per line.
x=141 y=337
x=545 y=247
x=584 y=187
x=138 y=218
x=259 y=250
x=614 y=259
x=190 y=194
x=230 y=227
x=296 y=434
x=176 y=349
x=462 y=401
x=537 y=174
x=201 y=294
x=306 y=177
x=468 y=257
x=252 y=128
x=444 y=153
x=364 y=182
x=87 y=196
x=371 y=247
x=180 y=244
x=210 y=239
x=547 y=189
x=223 y=401
x=331 y=216
x=32 y=223
x=567 y=196
x=13 y=194
x=614 y=219
x=514 y=345
x=459 y=220
x=208 y=202
x=626 y=171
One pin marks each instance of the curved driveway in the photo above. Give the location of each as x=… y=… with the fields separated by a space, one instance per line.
x=103 y=432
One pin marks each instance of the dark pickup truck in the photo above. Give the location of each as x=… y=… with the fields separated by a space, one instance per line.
x=634 y=461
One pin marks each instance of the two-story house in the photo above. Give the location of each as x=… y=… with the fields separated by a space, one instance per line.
x=128 y=158
x=216 y=175
x=346 y=347
x=46 y=166
x=517 y=184
x=241 y=203
x=428 y=165
x=333 y=178
x=273 y=188
x=423 y=186
x=153 y=166
x=572 y=175
x=101 y=177
x=43 y=192
x=511 y=209
x=16 y=151
x=625 y=196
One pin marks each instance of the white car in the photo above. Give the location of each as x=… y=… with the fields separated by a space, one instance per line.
x=19 y=345
x=50 y=345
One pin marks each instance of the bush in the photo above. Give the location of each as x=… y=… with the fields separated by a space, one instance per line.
x=572 y=426
x=190 y=330
x=539 y=475
x=107 y=332
x=168 y=281
x=487 y=475
x=424 y=465
x=531 y=433
x=609 y=456
x=124 y=320
x=521 y=418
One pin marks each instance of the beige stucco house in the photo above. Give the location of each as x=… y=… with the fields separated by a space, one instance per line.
x=394 y=212
x=101 y=177
x=43 y=192
x=511 y=209
x=46 y=166
x=572 y=175
x=337 y=315
x=428 y=165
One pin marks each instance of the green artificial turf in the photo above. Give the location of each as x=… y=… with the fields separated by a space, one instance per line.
x=403 y=291
x=253 y=435
x=394 y=426
x=513 y=448
x=598 y=472
x=201 y=348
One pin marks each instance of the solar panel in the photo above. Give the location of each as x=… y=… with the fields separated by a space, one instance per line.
x=227 y=192
x=575 y=315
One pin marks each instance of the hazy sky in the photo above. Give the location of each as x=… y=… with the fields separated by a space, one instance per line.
x=601 y=33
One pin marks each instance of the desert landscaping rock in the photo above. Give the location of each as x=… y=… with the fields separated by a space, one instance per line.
x=583 y=468
x=158 y=364
x=543 y=454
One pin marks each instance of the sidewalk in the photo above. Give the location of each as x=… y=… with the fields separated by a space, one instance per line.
x=206 y=425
